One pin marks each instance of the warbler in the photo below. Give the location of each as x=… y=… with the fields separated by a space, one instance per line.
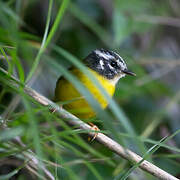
x=107 y=67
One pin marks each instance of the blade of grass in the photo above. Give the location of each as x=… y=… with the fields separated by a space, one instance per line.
x=75 y=139
x=59 y=16
x=56 y=139
x=170 y=156
x=47 y=39
x=91 y=24
x=80 y=154
x=43 y=44
x=149 y=152
x=9 y=64
x=142 y=138
x=12 y=173
x=8 y=134
x=35 y=132
x=18 y=64
x=9 y=12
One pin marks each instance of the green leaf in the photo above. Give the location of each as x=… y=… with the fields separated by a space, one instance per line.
x=11 y=133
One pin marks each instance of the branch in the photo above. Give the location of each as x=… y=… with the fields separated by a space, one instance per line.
x=101 y=138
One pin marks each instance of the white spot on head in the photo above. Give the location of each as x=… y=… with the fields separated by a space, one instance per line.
x=123 y=65
x=110 y=67
x=103 y=55
x=121 y=61
x=101 y=64
x=119 y=56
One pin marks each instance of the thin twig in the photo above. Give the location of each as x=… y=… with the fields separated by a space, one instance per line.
x=162 y=20
x=103 y=139
x=156 y=74
x=159 y=61
x=34 y=163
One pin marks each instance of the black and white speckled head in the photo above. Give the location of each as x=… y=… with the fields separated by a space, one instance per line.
x=107 y=63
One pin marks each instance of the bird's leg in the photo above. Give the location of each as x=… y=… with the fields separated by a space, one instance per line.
x=53 y=110
x=95 y=128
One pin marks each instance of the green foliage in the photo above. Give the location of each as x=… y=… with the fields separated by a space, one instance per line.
x=40 y=41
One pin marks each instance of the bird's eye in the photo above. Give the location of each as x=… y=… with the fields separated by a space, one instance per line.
x=114 y=64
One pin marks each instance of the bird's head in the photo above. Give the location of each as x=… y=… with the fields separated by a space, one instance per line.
x=108 y=64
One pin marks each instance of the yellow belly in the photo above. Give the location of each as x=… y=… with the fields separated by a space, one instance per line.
x=76 y=103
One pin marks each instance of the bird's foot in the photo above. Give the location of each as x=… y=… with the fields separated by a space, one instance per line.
x=94 y=128
x=53 y=110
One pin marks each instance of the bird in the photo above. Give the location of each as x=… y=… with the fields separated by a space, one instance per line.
x=107 y=67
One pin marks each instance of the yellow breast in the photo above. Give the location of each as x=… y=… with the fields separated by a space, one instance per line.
x=65 y=91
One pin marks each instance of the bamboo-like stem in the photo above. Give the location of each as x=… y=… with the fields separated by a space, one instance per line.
x=101 y=138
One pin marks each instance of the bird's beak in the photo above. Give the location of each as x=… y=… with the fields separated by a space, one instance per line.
x=126 y=71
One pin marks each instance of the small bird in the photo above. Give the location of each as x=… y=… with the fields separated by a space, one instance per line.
x=107 y=66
